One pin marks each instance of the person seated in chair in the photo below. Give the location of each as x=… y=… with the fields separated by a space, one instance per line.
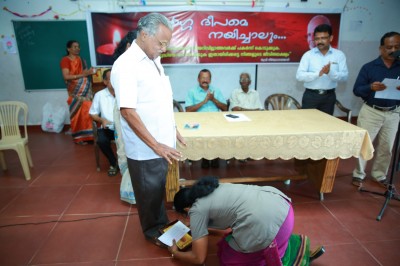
x=245 y=99
x=205 y=98
x=101 y=111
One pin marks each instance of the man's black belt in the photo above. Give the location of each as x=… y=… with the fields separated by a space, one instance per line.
x=383 y=109
x=321 y=92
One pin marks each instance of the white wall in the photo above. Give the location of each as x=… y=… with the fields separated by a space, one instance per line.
x=363 y=24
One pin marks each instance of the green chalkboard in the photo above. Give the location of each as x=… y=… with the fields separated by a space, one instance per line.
x=42 y=44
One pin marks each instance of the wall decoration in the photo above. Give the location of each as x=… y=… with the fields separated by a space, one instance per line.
x=215 y=37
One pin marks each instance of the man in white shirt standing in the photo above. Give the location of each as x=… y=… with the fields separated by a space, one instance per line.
x=144 y=97
x=245 y=99
x=101 y=111
x=321 y=68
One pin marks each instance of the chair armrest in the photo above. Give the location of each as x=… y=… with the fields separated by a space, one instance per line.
x=345 y=110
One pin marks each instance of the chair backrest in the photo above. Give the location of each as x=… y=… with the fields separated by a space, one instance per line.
x=281 y=102
x=344 y=110
x=9 y=120
x=178 y=106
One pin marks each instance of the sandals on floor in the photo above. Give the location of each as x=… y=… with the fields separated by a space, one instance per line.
x=356 y=181
x=316 y=253
x=112 y=171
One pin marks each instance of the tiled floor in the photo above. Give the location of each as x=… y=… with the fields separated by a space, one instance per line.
x=69 y=214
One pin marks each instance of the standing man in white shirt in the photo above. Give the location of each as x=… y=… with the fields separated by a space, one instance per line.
x=321 y=68
x=245 y=99
x=144 y=97
x=101 y=111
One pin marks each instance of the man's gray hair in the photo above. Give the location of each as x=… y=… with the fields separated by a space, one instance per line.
x=151 y=22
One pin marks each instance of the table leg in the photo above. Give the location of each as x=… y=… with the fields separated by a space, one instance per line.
x=321 y=196
x=323 y=173
x=172 y=182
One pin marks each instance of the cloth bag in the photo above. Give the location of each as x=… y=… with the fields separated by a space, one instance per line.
x=53 y=118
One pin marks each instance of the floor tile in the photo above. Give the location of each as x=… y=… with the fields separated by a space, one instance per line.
x=359 y=218
x=89 y=263
x=36 y=201
x=62 y=175
x=99 y=198
x=102 y=177
x=135 y=246
x=315 y=221
x=89 y=238
x=346 y=255
x=98 y=229
x=161 y=261
x=20 y=242
x=386 y=252
x=7 y=195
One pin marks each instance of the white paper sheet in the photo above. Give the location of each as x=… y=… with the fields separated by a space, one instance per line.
x=236 y=117
x=177 y=231
x=391 y=92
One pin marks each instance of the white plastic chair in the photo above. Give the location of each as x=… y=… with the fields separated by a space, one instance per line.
x=11 y=138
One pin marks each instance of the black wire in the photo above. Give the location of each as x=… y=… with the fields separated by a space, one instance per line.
x=68 y=221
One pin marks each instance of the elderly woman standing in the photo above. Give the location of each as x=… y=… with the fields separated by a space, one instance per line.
x=79 y=86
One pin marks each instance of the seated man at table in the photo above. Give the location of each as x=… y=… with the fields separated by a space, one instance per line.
x=101 y=111
x=245 y=99
x=205 y=98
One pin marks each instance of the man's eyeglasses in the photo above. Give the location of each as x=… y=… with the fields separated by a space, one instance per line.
x=162 y=44
x=321 y=38
x=244 y=79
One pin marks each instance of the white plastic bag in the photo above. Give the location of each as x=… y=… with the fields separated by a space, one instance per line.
x=126 y=190
x=53 y=118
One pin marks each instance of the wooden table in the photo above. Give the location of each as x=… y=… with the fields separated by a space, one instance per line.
x=315 y=139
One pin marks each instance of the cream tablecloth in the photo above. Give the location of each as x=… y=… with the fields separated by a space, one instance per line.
x=286 y=134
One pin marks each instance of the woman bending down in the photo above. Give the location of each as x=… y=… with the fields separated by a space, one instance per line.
x=261 y=220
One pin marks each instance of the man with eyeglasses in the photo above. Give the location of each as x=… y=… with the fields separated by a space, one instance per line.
x=144 y=97
x=321 y=68
x=379 y=115
x=245 y=99
x=312 y=24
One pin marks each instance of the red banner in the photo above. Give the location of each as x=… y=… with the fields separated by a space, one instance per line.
x=219 y=37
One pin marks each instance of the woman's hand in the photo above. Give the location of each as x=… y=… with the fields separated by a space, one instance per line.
x=88 y=72
x=174 y=249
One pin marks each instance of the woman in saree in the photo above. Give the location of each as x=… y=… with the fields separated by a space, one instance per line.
x=79 y=86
